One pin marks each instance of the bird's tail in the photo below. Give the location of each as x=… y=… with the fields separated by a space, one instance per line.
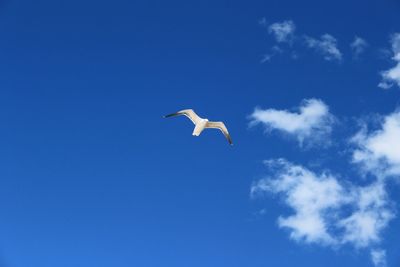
x=198 y=129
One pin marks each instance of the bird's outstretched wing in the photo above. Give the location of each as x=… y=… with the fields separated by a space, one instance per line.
x=221 y=126
x=188 y=113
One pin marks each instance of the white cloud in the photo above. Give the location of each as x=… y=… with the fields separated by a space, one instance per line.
x=378 y=151
x=378 y=257
x=395 y=42
x=283 y=31
x=327 y=211
x=309 y=195
x=392 y=76
x=358 y=46
x=311 y=123
x=371 y=215
x=263 y=21
x=274 y=51
x=327 y=46
x=266 y=57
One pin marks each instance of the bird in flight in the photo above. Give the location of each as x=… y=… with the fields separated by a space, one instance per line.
x=201 y=124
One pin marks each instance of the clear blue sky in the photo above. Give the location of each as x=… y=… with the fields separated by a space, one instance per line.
x=92 y=175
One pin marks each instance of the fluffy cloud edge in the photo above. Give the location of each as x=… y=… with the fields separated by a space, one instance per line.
x=377 y=151
x=391 y=76
x=310 y=123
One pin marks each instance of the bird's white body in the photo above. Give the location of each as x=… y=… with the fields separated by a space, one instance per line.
x=201 y=124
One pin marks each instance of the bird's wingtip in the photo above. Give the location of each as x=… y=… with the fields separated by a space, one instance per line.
x=170 y=115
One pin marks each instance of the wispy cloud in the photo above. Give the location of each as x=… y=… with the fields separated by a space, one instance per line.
x=311 y=123
x=391 y=76
x=326 y=45
x=371 y=215
x=358 y=46
x=274 y=51
x=263 y=22
x=378 y=257
x=283 y=31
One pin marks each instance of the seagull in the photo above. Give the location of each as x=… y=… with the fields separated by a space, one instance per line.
x=201 y=124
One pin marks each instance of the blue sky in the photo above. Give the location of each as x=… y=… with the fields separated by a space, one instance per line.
x=92 y=175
